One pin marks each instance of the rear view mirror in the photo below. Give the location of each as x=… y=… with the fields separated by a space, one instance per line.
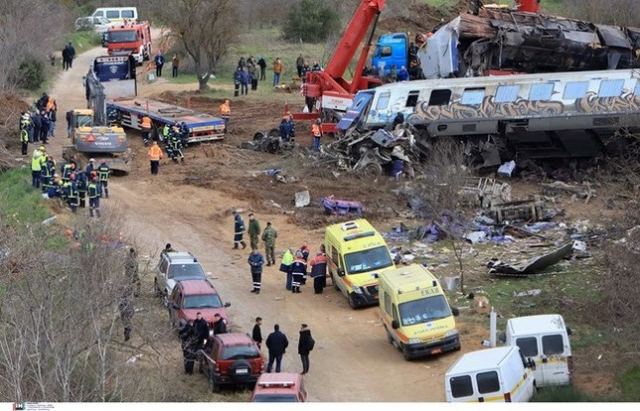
x=340 y=272
x=455 y=311
x=227 y=305
x=569 y=332
x=395 y=325
x=531 y=363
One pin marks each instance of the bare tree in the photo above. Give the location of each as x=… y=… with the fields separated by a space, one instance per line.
x=617 y=12
x=205 y=28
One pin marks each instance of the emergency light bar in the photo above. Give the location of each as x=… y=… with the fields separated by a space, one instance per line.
x=284 y=384
x=351 y=225
x=359 y=235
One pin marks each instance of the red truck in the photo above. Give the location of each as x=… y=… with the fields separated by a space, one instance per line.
x=130 y=38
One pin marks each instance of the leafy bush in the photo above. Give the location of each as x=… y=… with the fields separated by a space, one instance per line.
x=561 y=394
x=311 y=21
x=30 y=74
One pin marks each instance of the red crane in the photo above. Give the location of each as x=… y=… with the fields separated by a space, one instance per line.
x=532 y=6
x=330 y=84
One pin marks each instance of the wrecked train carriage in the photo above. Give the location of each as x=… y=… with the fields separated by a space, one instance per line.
x=511 y=41
x=539 y=116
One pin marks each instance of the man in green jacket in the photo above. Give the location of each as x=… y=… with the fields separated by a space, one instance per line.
x=254 y=231
x=269 y=237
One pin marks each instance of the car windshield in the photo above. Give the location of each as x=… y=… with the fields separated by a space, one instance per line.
x=202 y=301
x=424 y=310
x=125 y=36
x=274 y=398
x=367 y=260
x=240 y=352
x=178 y=271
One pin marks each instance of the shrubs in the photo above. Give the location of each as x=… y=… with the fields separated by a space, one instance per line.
x=311 y=21
x=29 y=74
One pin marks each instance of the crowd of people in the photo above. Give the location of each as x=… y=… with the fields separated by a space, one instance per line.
x=296 y=266
x=70 y=183
x=248 y=73
x=39 y=123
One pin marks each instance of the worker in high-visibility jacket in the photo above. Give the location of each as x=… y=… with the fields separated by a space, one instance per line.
x=46 y=175
x=37 y=160
x=166 y=133
x=225 y=113
x=145 y=126
x=316 y=132
x=24 y=141
x=94 y=198
x=155 y=154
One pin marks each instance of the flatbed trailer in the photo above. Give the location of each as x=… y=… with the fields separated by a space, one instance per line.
x=202 y=127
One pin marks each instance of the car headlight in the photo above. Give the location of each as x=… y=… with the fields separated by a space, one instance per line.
x=415 y=341
x=451 y=333
x=356 y=289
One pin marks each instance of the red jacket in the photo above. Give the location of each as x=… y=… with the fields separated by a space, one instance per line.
x=319 y=265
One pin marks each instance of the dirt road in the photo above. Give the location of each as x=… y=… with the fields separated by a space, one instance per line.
x=352 y=360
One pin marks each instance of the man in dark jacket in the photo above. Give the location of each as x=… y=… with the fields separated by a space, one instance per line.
x=37 y=125
x=201 y=329
x=238 y=231
x=319 y=271
x=262 y=63
x=256 y=261
x=256 y=334
x=159 y=60
x=298 y=273
x=277 y=344
x=219 y=325
x=189 y=346
x=305 y=346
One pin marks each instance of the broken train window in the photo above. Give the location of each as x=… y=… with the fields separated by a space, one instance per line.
x=611 y=88
x=412 y=100
x=472 y=96
x=575 y=90
x=440 y=97
x=540 y=92
x=383 y=101
x=507 y=94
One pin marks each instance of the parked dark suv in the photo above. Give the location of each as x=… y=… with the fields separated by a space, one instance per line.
x=232 y=359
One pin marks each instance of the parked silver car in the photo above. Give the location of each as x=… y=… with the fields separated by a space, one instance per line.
x=98 y=24
x=173 y=267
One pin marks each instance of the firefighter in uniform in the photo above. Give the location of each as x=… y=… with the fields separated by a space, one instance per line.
x=82 y=184
x=256 y=261
x=94 y=198
x=46 y=174
x=73 y=196
x=298 y=273
x=67 y=169
x=103 y=178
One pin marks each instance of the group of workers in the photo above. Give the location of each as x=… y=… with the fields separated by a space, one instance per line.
x=196 y=335
x=72 y=184
x=38 y=124
x=294 y=266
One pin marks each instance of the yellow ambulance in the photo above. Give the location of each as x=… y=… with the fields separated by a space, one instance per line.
x=415 y=312
x=356 y=255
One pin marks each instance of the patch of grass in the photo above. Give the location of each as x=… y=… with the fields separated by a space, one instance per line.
x=630 y=384
x=19 y=202
x=82 y=40
x=562 y=394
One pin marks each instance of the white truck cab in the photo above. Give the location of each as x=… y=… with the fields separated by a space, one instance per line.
x=544 y=339
x=494 y=375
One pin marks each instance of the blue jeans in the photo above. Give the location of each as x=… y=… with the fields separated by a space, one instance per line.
x=276 y=79
x=316 y=144
x=278 y=361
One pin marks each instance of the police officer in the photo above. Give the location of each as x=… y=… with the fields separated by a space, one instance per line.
x=24 y=141
x=238 y=226
x=103 y=178
x=94 y=198
x=256 y=261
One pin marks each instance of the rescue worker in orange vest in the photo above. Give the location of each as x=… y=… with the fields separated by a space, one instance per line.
x=317 y=134
x=225 y=113
x=146 y=129
x=319 y=271
x=155 y=154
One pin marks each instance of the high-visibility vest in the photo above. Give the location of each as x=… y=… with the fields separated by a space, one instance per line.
x=155 y=153
x=225 y=109
x=36 y=164
x=93 y=190
x=315 y=130
x=24 y=136
x=165 y=131
x=146 y=122
x=103 y=172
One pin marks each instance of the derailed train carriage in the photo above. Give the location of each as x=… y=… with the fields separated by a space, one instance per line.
x=540 y=116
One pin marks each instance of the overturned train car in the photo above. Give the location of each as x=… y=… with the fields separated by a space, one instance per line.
x=540 y=116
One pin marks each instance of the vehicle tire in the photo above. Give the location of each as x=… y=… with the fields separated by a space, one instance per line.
x=156 y=290
x=406 y=354
x=213 y=385
x=371 y=170
x=352 y=302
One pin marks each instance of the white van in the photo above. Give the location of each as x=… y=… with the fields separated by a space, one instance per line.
x=545 y=339
x=497 y=374
x=117 y=14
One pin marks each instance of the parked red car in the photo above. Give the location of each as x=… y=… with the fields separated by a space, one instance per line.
x=231 y=359
x=279 y=387
x=190 y=297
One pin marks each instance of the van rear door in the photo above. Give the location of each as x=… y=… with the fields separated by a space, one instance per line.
x=554 y=364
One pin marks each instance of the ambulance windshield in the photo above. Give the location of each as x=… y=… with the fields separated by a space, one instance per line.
x=368 y=260
x=424 y=310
